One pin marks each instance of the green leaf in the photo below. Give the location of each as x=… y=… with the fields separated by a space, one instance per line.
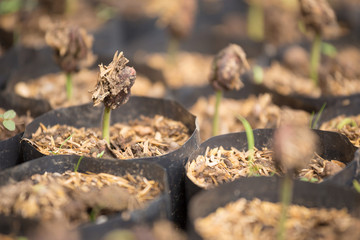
x=78 y=164
x=258 y=74
x=318 y=116
x=100 y=154
x=9 y=6
x=10 y=114
x=346 y=121
x=249 y=135
x=356 y=185
x=328 y=49
x=9 y=124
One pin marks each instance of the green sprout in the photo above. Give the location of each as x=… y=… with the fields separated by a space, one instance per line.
x=258 y=74
x=10 y=6
x=315 y=58
x=346 y=121
x=78 y=164
x=251 y=146
x=62 y=144
x=356 y=185
x=7 y=120
x=255 y=21
x=312 y=180
x=100 y=155
x=328 y=49
x=314 y=124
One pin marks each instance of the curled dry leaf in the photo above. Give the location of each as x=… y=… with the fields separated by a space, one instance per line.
x=114 y=82
x=317 y=15
x=294 y=146
x=227 y=67
x=72 y=47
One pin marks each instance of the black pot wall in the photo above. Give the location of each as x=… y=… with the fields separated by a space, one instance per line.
x=347 y=108
x=332 y=146
x=352 y=171
x=89 y=116
x=10 y=152
x=267 y=189
x=159 y=208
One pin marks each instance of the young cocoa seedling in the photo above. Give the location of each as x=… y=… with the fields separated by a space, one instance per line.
x=293 y=149
x=113 y=88
x=226 y=69
x=72 y=46
x=316 y=15
x=7 y=120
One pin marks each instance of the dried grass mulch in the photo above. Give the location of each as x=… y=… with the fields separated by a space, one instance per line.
x=144 y=137
x=259 y=111
x=350 y=130
x=69 y=196
x=219 y=166
x=258 y=219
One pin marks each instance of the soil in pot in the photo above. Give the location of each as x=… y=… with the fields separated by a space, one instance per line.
x=144 y=137
x=347 y=125
x=256 y=219
x=189 y=68
x=160 y=230
x=338 y=76
x=219 y=166
x=50 y=85
x=84 y=195
x=260 y=111
x=257 y=200
x=74 y=198
x=225 y=158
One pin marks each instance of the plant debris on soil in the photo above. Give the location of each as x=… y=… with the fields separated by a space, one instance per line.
x=20 y=123
x=350 y=130
x=259 y=111
x=144 y=137
x=258 y=219
x=218 y=166
x=50 y=85
x=338 y=76
x=74 y=197
x=189 y=69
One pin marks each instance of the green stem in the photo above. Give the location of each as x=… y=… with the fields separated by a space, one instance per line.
x=315 y=59
x=68 y=86
x=286 y=195
x=215 y=126
x=106 y=124
x=173 y=49
x=255 y=22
